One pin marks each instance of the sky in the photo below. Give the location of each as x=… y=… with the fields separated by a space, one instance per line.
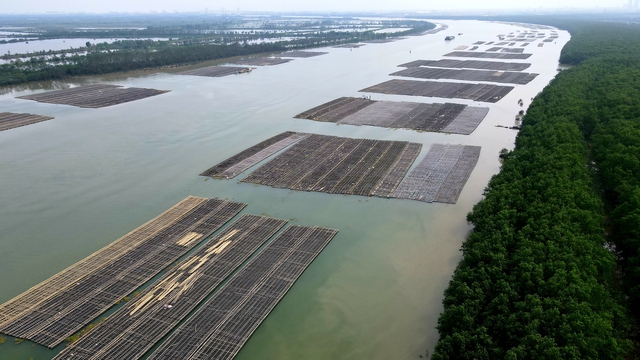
x=101 y=6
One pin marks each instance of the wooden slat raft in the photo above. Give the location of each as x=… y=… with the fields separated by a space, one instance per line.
x=238 y=163
x=503 y=77
x=302 y=54
x=220 y=328
x=447 y=90
x=262 y=61
x=71 y=275
x=441 y=175
x=13 y=120
x=407 y=115
x=331 y=164
x=216 y=71
x=339 y=165
x=93 y=96
x=488 y=55
x=131 y=331
x=90 y=287
x=469 y=64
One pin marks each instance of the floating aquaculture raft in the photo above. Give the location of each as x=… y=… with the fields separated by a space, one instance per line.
x=441 y=175
x=220 y=328
x=12 y=120
x=448 y=90
x=450 y=118
x=469 y=64
x=216 y=71
x=488 y=55
x=131 y=331
x=262 y=61
x=302 y=54
x=93 y=96
x=238 y=163
x=339 y=165
x=512 y=77
x=58 y=307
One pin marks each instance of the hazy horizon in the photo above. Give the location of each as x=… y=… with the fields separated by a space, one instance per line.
x=150 y=6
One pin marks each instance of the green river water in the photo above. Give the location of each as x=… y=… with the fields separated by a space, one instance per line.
x=72 y=185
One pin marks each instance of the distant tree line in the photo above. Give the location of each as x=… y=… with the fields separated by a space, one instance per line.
x=551 y=269
x=129 y=55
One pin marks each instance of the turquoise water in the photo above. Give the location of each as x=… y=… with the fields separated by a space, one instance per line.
x=73 y=184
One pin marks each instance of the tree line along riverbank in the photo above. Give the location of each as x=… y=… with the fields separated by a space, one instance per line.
x=551 y=269
x=128 y=55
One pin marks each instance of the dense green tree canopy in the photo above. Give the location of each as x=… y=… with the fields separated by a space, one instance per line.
x=538 y=279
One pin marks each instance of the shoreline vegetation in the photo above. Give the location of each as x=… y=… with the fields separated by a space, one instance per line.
x=551 y=269
x=187 y=45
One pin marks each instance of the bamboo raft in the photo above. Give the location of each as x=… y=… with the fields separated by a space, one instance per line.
x=488 y=55
x=441 y=175
x=339 y=165
x=449 y=118
x=58 y=307
x=13 y=120
x=136 y=327
x=220 y=328
x=468 y=64
x=503 y=77
x=217 y=71
x=93 y=96
x=448 y=90
x=515 y=51
x=230 y=168
x=332 y=165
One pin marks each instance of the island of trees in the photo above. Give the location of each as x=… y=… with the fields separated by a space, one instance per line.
x=200 y=39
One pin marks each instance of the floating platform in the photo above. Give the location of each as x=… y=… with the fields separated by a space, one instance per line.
x=339 y=165
x=488 y=55
x=217 y=71
x=13 y=120
x=514 y=51
x=502 y=77
x=220 y=328
x=60 y=306
x=93 y=96
x=136 y=327
x=493 y=49
x=237 y=164
x=469 y=64
x=447 y=90
x=450 y=118
x=262 y=61
x=441 y=175
x=330 y=164
x=302 y=54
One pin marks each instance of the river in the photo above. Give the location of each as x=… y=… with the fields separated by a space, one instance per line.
x=74 y=184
